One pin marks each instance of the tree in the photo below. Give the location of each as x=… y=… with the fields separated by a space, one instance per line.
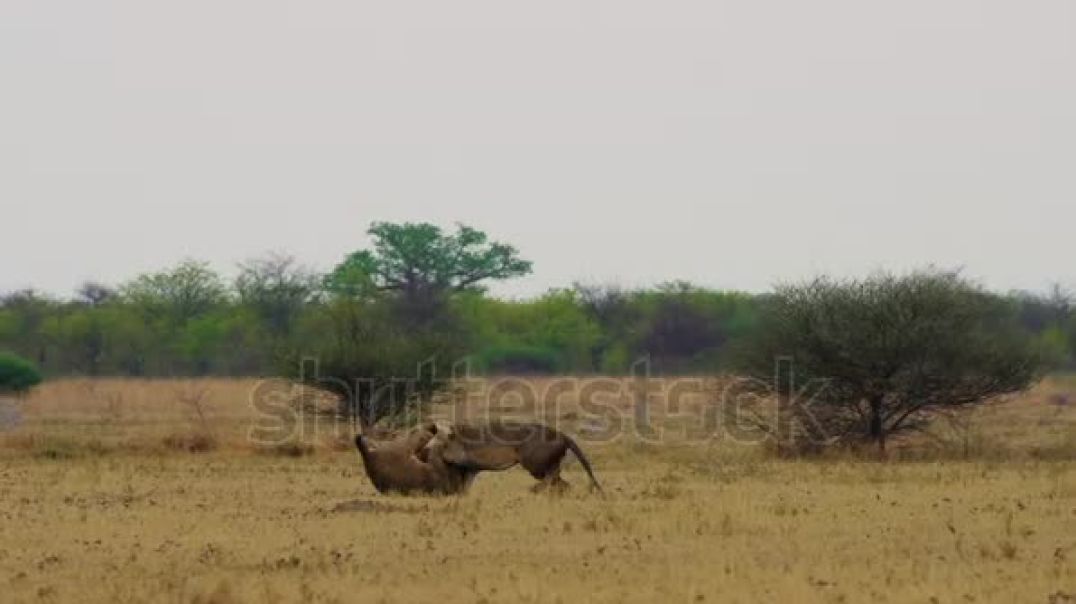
x=277 y=288
x=1061 y=301
x=166 y=303
x=177 y=294
x=618 y=316
x=394 y=335
x=1049 y=316
x=17 y=374
x=550 y=334
x=228 y=341
x=26 y=313
x=92 y=293
x=889 y=351
x=377 y=365
x=680 y=327
x=79 y=338
x=423 y=265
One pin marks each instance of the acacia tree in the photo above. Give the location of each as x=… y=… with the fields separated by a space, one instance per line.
x=888 y=352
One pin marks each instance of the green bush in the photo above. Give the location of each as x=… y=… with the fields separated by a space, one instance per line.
x=17 y=374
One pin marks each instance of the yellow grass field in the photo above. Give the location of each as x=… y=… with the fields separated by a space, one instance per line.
x=130 y=491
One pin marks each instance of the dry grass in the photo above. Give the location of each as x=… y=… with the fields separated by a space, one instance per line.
x=102 y=499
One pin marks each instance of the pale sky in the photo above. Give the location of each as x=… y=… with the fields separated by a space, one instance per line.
x=731 y=143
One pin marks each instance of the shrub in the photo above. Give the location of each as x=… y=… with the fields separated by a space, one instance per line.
x=885 y=354
x=17 y=374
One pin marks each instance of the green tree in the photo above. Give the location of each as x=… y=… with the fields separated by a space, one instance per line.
x=1049 y=317
x=26 y=313
x=423 y=265
x=166 y=303
x=79 y=339
x=132 y=345
x=228 y=341
x=1055 y=345
x=550 y=334
x=891 y=351
x=178 y=294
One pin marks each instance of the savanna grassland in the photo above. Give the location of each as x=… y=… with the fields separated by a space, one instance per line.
x=125 y=490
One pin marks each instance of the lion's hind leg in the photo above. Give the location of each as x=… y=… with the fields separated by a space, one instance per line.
x=545 y=467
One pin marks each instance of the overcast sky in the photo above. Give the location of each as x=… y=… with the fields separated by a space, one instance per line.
x=731 y=143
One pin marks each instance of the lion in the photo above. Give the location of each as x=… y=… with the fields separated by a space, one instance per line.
x=500 y=445
x=412 y=464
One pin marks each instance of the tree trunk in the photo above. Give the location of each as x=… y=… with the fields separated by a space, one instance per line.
x=877 y=425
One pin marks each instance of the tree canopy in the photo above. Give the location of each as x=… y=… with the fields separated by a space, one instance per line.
x=420 y=261
x=178 y=294
x=277 y=288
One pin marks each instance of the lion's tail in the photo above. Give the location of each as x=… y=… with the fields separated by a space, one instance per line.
x=585 y=463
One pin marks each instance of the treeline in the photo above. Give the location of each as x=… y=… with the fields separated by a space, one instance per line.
x=188 y=320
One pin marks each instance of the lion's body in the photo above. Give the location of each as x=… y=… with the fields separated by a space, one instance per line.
x=412 y=464
x=501 y=445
